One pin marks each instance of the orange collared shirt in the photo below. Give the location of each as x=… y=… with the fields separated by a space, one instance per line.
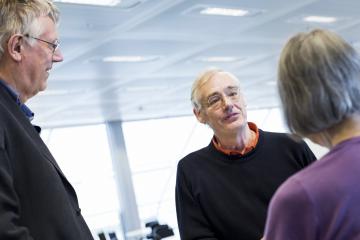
x=247 y=148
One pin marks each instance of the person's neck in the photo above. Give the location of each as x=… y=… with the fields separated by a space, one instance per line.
x=347 y=129
x=3 y=75
x=9 y=78
x=238 y=140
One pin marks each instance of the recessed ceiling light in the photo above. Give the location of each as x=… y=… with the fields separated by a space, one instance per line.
x=145 y=88
x=220 y=59
x=92 y=2
x=225 y=11
x=320 y=19
x=130 y=58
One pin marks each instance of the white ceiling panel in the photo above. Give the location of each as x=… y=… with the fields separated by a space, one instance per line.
x=84 y=89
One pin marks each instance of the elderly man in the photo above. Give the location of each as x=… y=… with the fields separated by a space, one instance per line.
x=36 y=200
x=223 y=190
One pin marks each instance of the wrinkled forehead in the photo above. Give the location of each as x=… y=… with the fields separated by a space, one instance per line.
x=220 y=82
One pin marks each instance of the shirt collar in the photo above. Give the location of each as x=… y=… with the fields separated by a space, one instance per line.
x=16 y=96
x=247 y=148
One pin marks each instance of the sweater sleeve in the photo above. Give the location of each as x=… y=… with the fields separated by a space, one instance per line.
x=291 y=214
x=191 y=220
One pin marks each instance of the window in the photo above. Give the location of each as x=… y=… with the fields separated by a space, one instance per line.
x=83 y=155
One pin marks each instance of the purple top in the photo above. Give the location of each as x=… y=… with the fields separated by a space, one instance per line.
x=322 y=201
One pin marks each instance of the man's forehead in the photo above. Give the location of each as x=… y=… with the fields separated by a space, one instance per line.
x=219 y=82
x=216 y=91
x=226 y=77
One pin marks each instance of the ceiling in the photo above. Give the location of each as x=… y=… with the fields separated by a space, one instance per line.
x=84 y=89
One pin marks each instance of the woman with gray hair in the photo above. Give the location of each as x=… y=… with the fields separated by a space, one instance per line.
x=319 y=86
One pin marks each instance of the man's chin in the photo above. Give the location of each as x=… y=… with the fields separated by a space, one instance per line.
x=43 y=86
x=41 y=90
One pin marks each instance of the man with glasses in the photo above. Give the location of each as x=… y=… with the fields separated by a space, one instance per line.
x=37 y=202
x=223 y=190
x=54 y=46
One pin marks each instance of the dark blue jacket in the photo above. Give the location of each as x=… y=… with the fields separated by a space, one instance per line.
x=36 y=200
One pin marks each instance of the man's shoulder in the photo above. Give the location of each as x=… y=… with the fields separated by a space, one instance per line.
x=289 y=146
x=5 y=99
x=287 y=142
x=195 y=156
x=5 y=108
x=274 y=134
x=282 y=137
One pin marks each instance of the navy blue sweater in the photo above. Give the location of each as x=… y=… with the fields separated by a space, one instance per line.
x=226 y=197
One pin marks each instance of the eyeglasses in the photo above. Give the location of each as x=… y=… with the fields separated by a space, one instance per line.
x=54 y=46
x=217 y=99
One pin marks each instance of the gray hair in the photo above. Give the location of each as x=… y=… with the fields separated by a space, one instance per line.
x=318 y=81
x=20 y=17
x=203 y=78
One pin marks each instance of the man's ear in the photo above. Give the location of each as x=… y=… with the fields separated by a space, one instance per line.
x=15 y=46
x=199 y=115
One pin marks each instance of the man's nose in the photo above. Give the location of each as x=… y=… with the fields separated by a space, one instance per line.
x=226 y=102
x=57 y=56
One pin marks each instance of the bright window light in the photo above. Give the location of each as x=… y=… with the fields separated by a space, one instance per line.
x=130 y=58
x=271 y=83
x=220 y=59
x=49 y=92
x=225 y=12
x=319 y=19
x=92 y=2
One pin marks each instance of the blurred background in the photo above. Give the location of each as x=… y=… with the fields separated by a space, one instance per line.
x=117 y=114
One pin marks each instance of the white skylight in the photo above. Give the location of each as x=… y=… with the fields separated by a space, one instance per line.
x=220 y=59
x=271 y=83
x=130 y=58
x=225 y=11
x=92 y=2
x=320 y=19
x=53 y=92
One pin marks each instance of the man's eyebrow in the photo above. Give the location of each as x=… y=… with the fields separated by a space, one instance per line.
x=233 y=87
x=227 y=88
x=212 y=94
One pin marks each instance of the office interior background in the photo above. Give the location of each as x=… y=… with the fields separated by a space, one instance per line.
x=117 y=113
